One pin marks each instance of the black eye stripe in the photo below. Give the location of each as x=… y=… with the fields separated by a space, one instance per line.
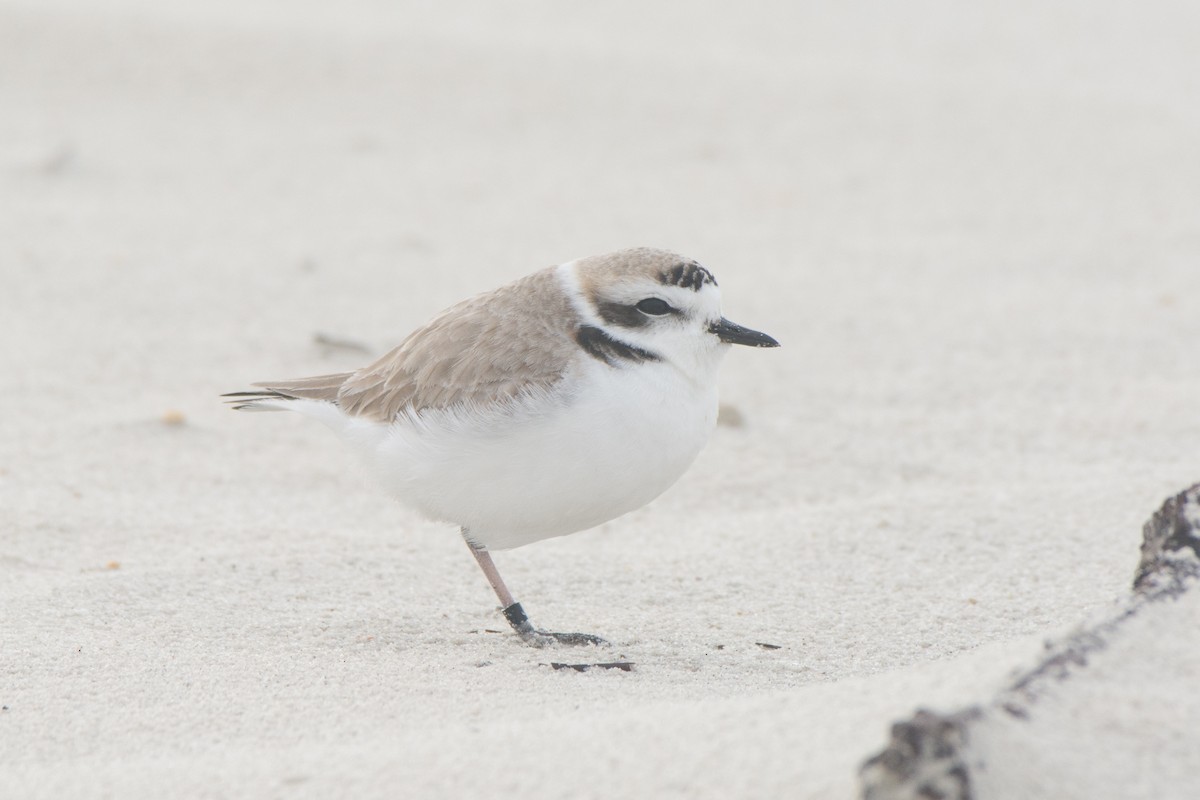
x=637 y=315
x=623 y=315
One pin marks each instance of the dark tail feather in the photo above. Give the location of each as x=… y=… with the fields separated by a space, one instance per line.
x=251 y=401
x=322 y=387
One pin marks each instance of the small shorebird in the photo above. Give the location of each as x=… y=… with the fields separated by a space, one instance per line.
x=545 y=407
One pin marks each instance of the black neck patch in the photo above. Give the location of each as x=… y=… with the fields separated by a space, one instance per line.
x=599 y=345
x=688 y=275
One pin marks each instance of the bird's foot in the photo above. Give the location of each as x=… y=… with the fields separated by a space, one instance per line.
x=538 y=638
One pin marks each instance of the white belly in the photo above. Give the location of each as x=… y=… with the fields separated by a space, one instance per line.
x=554 y=467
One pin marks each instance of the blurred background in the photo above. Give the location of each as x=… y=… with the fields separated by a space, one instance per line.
x=975 y=228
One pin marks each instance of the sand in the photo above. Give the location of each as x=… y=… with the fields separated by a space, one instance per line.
x=975 y=230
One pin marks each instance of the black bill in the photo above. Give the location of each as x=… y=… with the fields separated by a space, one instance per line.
x=732 y=333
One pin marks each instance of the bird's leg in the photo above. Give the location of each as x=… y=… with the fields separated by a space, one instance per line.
x=513 y=611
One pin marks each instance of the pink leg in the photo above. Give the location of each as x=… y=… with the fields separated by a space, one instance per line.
x=489 y=569
x=513 y=611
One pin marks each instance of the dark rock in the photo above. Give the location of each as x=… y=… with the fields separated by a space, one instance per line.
x=1171 y=546
x=925 y=760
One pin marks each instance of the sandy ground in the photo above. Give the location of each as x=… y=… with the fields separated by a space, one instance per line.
x=976 y=231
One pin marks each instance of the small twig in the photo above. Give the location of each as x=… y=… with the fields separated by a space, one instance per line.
x=624 y=666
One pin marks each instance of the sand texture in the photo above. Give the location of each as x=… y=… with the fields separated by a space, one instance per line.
x=975 y=229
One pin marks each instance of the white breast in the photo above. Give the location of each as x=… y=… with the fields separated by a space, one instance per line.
x=607 y=441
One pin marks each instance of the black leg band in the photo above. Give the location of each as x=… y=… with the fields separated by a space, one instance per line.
x=516 y=617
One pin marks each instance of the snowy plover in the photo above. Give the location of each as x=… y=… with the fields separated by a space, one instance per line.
x=545 y=407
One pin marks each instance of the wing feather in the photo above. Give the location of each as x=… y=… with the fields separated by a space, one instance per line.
x=486 y=349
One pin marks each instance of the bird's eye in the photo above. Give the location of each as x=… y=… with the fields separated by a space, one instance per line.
x=654 y=307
